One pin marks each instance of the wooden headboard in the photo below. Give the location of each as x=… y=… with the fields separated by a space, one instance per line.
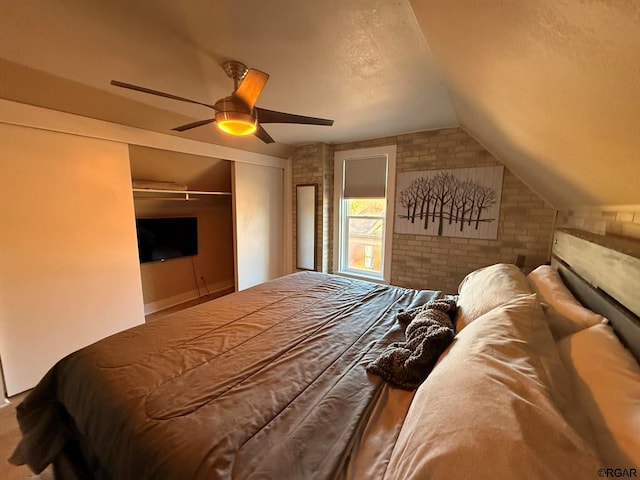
x=604 y=275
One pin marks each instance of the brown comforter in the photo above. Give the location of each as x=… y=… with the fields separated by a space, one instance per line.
x=269 y=382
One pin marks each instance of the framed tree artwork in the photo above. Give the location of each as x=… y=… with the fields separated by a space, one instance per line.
x=462 y=202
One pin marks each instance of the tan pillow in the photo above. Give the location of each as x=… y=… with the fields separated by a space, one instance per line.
x=487 y=288
x=487 y=409
x=563 y=312
x=606 y=379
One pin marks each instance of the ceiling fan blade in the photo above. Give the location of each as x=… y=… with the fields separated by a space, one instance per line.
x=251 y=87
x=262 y=134
x=271 y=116
x=137 y=88
x=189 y=126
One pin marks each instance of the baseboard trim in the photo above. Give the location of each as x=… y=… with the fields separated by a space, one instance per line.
x=169 y=302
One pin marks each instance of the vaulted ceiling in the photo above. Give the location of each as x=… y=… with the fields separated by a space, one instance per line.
x=552 y=88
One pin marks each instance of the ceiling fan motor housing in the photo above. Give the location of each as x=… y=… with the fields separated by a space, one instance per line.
x=235 y=117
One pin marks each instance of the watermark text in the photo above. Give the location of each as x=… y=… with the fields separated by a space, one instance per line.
x=618 y=472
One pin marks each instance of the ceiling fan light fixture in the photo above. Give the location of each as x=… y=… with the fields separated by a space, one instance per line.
x=236 y=123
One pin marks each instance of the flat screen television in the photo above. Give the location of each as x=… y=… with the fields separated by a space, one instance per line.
x=160 y=239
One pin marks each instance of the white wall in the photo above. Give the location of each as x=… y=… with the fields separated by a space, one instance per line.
x=69 y=273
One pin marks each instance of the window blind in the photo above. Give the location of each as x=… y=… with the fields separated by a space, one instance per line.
x=365 y=177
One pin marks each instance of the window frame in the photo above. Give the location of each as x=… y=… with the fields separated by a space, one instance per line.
x=340 y=218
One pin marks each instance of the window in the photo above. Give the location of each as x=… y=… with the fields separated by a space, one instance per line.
x=364 y=222
x=364 y=186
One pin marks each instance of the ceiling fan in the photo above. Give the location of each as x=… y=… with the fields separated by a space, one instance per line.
x=237 y=114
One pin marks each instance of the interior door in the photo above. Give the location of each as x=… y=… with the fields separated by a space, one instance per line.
x=258 y=193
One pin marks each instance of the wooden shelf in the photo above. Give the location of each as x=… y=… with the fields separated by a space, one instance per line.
x=182 y=195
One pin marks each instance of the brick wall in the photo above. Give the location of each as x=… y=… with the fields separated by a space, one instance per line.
x=418 y=261
x=327 y=208
x=613 y=220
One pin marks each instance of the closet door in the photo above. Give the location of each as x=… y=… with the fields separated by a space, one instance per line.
x=258 y=193
x=69 y=272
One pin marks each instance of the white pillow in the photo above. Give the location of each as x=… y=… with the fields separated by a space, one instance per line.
x=487 y=411
x=487 y=288
x=606 y=379
x=564 y=313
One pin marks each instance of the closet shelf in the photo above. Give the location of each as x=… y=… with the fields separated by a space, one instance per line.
x=182 y=195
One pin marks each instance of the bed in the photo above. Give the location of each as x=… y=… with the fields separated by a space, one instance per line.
x=272 y=383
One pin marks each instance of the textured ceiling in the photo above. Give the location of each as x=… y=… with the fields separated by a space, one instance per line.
x=363 y=63
x=550 y=87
